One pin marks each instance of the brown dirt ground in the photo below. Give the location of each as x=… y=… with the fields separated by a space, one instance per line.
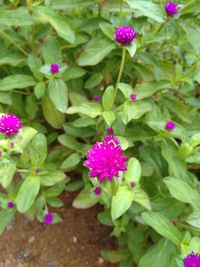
x=74 y=243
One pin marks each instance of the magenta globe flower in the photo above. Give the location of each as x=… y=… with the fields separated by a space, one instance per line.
x=192 y=260
x=10 y=205
x=170 y=125
x=48 y=218
x=125 y=35
x=133 y=97
x=10 y=124
x=105 y=160
x=171 y=8
x=54 y=68
x=97 y=191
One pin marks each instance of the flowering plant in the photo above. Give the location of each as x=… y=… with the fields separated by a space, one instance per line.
x=114 y=87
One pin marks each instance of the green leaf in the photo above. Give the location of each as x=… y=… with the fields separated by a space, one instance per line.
x=27 y=193
x=52 y=178
x=57 y=21
x=94 y=80
x=55 y=190
x=51 y=51
x=182 y=191
x=142 y=198
x=193 y=36
x=95 y=51
x=15 y=17
x=6 y=216
x=7 y=171
x=74 y=186
x=194 y=219
x=71 y=161
x=158 y=255
x=90 y=109
x=24 y=137
x=148 y=9
x=121 y=202
x=12 y=59
x=132 y=49
x=38 y=150
x=108 y=97
x=73 y=73
x=54 y=117
x=17 y=81
x=109 y=117
x=115 y=256
x=34 y=64
x=5 y=98
x=195 y=140
x=69 y=141
x=58 y=94
x=108 y=29
x=163 y=226
x=85 y=199
x=39 y=90
x=133 y=174
x=70 y=4
x=105 y=218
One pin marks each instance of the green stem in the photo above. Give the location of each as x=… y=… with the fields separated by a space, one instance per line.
x=121 y=12
x=187 y=227
x=13 y=42
x=120 y=71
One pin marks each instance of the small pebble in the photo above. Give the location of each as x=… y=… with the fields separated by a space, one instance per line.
x=9 y=227
x=53 y=263
x=31 y=239
x=26 y=253
x=100 y=260
x=75 y=239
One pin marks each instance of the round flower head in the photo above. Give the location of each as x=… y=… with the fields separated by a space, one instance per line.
x=192 y=260
x=54 y=68
x=10 y=205
x=170 y=125
x=96 y=98
x=125 y=35
x=171 y=8
x=109 y=131
x=133 y=97
x=48 y=218
x=105 y=159
x=10 y=124
x=97 y=191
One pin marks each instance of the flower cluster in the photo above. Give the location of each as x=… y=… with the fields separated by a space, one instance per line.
x=105 y=159
x=54 y=68
x=10 y=124
x=192 y=260
x=125 y=35
x=170 y=125
x=171 y=8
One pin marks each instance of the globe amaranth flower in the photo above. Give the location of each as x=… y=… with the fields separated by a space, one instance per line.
x=10 y=124
x=97 y=191
x=171 y=8
x=54 y=68
x=133 y=97
x=96 y=98
x=10 y=205
x=192 y=260
x=105 y=160
x=170 y=125
x=125 y=35
x=48 y=218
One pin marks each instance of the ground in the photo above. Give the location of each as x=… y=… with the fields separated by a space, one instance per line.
x=74 y=243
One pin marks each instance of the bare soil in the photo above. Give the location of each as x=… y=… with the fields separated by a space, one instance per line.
x=76 y=242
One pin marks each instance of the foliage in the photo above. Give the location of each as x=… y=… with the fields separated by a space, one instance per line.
x=153 y=207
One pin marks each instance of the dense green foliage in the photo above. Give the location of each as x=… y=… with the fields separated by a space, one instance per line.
x=158 y=221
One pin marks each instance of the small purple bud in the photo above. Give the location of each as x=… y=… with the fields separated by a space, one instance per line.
x=54 y=68
x=133 y=97
x=125 y=35
x=97 y=191
x=192 y=260
x=171 y=8
x=170 y=125
x=132 y=185
x=10 y=205
x=96 y=98
x=109 y=131
x=12 y=144
x=37 y=170
x=48 y=218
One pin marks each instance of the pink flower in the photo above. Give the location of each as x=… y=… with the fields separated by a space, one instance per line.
x=48 y=218
x=171 y=8
x=105 y=160
x=96 y=98
x=192 y=260
x=54 y=68
x=170 y=125
x=97 y=191
x=109 y=131
x=10 y=124
x=133 y=97
x=125 y=35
